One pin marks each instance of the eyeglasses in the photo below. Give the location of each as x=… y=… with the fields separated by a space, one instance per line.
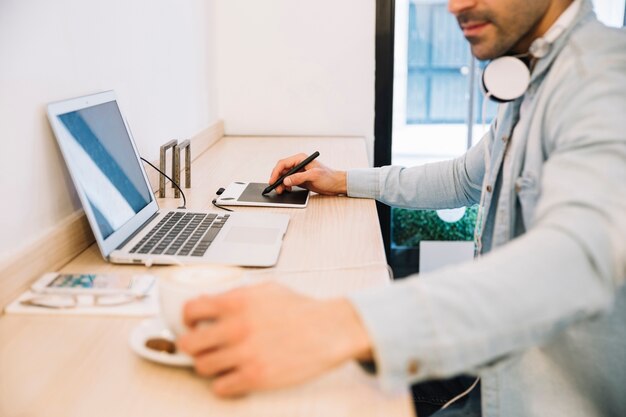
x=66 y=301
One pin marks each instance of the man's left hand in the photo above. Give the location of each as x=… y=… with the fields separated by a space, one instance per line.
x=268 y=336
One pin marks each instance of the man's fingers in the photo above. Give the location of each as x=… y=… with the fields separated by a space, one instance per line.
x=285 y=165
x=232 y=384
x=216 y=362
x=207 y=307
x=213 y=335
x=201 y=308
x=281 y=189
x=298 y=178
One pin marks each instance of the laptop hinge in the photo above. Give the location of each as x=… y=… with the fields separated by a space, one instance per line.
x=139 y=229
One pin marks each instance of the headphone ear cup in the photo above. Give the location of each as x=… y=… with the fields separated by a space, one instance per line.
x=505 y=79
x=488 y=94
x=485 y=91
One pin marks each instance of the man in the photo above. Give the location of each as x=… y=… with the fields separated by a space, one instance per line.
x=540 y=315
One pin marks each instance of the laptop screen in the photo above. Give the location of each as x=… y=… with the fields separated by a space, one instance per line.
x=102 y=155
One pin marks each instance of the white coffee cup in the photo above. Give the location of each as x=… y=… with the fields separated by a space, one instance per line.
x=177 y=285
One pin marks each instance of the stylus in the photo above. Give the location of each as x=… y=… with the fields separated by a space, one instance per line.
x=291 y=172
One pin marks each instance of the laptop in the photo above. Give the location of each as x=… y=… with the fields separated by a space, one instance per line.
x=113 y=188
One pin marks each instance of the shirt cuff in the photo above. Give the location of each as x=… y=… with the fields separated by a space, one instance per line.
x=397 y=320
x=363 y=183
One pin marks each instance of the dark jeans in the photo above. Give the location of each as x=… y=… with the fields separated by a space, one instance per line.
x=430 y=396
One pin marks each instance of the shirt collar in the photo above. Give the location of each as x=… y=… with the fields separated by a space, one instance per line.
x=583 y=11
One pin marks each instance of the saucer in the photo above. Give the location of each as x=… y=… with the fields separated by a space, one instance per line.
x=149 y=329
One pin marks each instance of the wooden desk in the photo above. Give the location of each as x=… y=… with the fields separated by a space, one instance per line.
x=82 y=366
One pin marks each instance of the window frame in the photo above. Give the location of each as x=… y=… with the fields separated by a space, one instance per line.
x=383 y=105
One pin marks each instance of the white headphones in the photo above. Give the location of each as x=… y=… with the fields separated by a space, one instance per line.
x=506 y=78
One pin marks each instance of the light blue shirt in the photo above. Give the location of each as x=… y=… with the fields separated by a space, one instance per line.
x=541 y=317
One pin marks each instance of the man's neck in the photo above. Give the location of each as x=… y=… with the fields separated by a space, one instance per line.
x=555 y=9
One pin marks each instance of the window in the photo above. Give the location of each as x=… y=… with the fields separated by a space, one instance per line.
x=428 y=100
x=438 y=62
x=436 y=117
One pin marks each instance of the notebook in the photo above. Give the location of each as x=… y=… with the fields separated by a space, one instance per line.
x=128 y=225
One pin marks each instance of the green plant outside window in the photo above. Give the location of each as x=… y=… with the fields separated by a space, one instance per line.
x=409 y=227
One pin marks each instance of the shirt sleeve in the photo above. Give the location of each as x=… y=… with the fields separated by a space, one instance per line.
x=566 y=268
x=447 y=184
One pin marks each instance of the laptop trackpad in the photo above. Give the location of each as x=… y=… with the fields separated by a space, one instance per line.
x=252 y=235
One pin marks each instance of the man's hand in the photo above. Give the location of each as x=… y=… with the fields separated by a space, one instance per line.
x=267 y=336
x=315 y=177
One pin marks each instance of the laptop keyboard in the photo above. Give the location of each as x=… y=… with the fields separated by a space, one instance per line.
x=181 y=233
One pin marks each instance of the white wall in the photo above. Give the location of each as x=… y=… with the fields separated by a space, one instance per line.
x=280 y=67
x=157 y=55
x=295 y=67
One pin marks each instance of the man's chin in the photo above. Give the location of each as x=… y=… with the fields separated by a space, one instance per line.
x=483 y=54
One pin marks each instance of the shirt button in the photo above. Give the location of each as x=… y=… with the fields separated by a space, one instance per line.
x=505 y=139
x=412 y=367
x=488 y=188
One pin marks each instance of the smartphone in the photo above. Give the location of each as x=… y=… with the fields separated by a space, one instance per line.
x=94 y=284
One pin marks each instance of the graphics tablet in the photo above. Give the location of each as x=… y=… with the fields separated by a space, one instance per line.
x=249 y=194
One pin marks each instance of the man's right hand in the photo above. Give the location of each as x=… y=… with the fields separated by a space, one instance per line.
x=315 y=177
